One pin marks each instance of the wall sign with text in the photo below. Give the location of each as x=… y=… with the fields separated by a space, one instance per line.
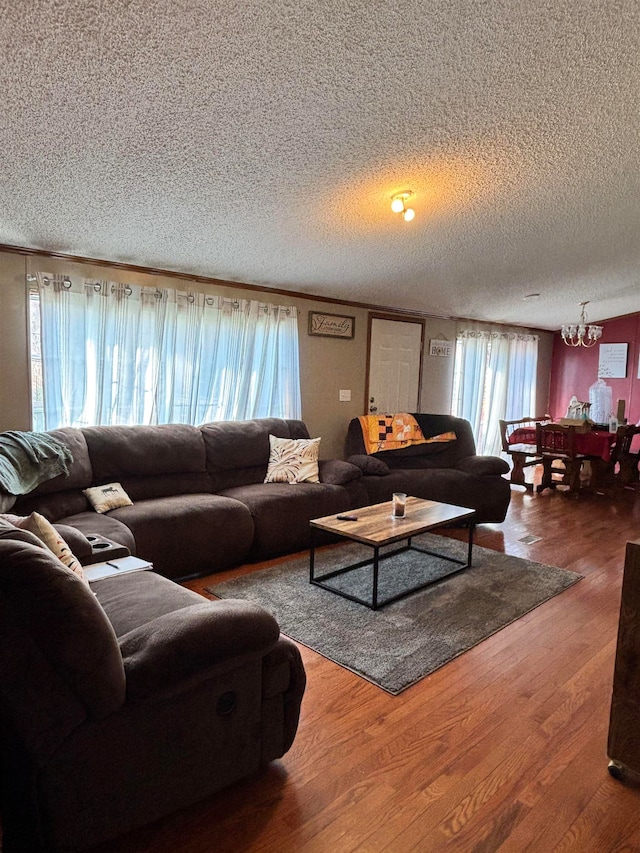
x=442 y=348
x=612 y=363
x=331 y=325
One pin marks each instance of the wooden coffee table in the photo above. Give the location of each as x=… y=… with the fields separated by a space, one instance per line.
x=375 y=526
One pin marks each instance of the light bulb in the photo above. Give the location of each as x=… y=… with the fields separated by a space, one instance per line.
x=408 y=214
x=397 y=205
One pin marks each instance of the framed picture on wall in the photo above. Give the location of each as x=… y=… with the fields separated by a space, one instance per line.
x=331 y=325
x=612 y=363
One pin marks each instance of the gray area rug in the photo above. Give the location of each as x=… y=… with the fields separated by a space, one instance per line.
x=403 y=642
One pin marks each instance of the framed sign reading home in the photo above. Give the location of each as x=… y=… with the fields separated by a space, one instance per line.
x=331 y=325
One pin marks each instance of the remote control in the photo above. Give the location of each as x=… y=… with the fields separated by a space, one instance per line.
x=347 y=517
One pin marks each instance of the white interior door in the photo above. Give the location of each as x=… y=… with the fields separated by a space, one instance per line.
x=395 y=353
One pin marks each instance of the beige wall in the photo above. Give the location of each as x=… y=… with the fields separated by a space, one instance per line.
x=545 y=351
x=15 y=397
x=327 y=365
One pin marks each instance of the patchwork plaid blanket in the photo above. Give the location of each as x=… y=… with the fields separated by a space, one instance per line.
x=391 y=432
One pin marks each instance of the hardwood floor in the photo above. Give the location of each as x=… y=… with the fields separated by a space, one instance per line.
x=503 y=749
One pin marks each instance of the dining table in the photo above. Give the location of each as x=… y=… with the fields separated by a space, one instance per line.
x=595 y=443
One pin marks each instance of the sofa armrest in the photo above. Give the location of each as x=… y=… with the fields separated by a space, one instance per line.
x=178 y=645
x=283 y=681
x=369 y=465
x=336 y=472
x=481 y=466
x=76 y=540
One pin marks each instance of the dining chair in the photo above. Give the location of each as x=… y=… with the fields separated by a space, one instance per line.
x=556 y=443
x=523 y=453
x=621 y=470
x=627 y=459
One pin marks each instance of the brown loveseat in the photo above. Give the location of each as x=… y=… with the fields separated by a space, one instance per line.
x=199 y=501
x=449 y=472
x=126 y=700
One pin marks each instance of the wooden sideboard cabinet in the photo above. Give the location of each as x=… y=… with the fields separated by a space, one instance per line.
x=624 y=724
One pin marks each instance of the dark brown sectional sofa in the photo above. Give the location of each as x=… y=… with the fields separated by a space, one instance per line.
x=199 y=501
x=200 y=504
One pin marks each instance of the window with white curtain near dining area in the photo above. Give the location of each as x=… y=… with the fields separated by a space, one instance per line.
x=112 y=353
x=494 y=379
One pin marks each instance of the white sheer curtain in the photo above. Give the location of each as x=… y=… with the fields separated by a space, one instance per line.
x=122 y=354
x=494 y=378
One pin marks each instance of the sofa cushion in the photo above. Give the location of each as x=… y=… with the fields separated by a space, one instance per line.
x=80 y=471
x=293 y=460
x=53 y=506
x=135 y=598
x=63 y=618
x=184 y=535
x=163 y=485
x=245 y=444
x=238 y=451
x=281 y=513
x=118 y=452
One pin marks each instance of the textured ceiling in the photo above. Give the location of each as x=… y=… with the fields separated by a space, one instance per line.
x=261 y=141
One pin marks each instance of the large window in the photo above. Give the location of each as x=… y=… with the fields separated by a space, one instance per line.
x=494 y=378
x=112 y=353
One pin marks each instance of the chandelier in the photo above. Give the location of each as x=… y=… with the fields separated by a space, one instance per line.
x=580 y=334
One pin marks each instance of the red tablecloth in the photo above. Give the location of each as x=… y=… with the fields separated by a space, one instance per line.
x=594 y=443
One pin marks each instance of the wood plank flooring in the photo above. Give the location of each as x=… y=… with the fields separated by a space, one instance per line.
x=503 y=749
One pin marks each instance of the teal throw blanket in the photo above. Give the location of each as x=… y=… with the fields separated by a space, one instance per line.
x=29 y=458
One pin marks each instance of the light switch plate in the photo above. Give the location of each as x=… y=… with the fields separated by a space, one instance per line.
x=345 y=396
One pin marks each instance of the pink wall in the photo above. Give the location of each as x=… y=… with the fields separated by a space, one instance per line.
x=575 y=369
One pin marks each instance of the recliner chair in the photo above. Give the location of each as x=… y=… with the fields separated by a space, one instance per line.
x=126 y=700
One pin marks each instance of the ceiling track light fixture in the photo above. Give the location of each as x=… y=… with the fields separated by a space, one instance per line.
x=399 y=205
x=580 y=334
